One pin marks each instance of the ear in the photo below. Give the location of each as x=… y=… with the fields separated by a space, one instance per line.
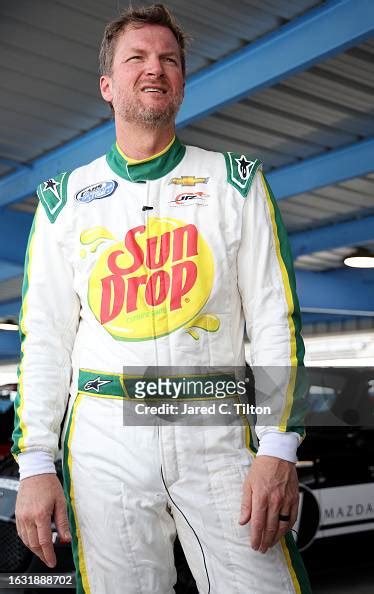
x=106 y=88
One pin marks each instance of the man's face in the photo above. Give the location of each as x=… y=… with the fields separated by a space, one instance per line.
x=146 y=84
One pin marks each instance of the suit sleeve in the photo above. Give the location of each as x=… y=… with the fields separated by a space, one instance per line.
x=48 y=323
x=267 y=285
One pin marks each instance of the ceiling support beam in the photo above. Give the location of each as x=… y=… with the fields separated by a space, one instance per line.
x=14 y=232
x=14 y=164
x=10 y=309
x=326 y=169
x=350 y=233
x=9 y=345
x=344 y=292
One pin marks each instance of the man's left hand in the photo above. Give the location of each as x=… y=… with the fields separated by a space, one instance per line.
x=271 y=489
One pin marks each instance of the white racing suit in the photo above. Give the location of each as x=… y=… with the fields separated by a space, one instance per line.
x=158 y=262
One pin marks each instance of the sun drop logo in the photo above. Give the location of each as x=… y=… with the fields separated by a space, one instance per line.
x=153 y=282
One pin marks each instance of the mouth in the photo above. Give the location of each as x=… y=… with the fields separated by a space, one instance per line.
x=158 y=90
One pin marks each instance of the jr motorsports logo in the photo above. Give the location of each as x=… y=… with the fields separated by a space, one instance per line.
x=96 y=191
x=190 y=198
x=154 y=281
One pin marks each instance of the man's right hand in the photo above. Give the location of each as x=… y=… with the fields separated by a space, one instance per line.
x=41 y=498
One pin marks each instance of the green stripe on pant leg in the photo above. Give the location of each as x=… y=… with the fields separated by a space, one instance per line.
x=298 y=564
x=71 y=515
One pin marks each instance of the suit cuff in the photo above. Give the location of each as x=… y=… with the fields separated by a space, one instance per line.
x=280 y=445
x=32 y=463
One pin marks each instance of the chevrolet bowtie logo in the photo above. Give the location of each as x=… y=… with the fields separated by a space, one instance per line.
x=96 y=384
x=188 y=180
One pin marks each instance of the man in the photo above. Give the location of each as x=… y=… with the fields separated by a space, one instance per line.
x=122 y=271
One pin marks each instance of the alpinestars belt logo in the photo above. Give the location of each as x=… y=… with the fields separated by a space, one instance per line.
x=96 y=384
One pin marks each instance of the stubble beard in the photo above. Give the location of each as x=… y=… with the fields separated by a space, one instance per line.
x=135 y=112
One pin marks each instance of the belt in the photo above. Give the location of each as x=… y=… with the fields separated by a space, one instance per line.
x=119 y=385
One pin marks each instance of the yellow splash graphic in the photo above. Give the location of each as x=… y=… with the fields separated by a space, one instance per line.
x=95 y=236
x=207 y=322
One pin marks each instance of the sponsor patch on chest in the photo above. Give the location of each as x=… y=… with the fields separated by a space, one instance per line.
x=96 y=191
x=190 y=199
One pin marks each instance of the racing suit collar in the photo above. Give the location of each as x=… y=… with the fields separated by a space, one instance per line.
x=147 y=169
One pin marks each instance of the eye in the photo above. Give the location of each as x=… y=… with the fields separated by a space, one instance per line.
x=172 y=60
x=131 y=58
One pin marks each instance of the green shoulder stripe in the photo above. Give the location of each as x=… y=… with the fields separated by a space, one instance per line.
x=20 y=429
x=241 y=170
x=53 y=195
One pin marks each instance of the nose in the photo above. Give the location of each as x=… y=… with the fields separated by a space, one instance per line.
x=154 y=66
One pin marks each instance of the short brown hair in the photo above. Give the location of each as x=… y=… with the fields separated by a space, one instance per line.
x=156 y=14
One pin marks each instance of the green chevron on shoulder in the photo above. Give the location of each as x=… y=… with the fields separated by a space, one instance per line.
x=53 y=195
x=241 y=170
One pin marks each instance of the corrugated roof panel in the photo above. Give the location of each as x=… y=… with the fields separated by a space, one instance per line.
x=70 y=99
x=325 y=205
x=321 y=260
x=368 y=46
x=277 y=120
x=357 y=66
x=364 y=185
x=43 y=67
x=103 y=10
x=10 y=150
x=17 y=124
x=317 y=109
x=332 y=87
x=43 y=109
x=294 y=221
x=17 y=139
x=307 y=210
x=5 y=169
x=342 y=195
x=48 y=41
x=328 y=260
x=208 y=139
x=260 y=136
x=286 y=9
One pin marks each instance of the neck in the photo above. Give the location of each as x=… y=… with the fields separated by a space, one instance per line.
x=142 y=143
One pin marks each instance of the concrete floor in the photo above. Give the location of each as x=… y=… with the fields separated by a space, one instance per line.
x=343 y=565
